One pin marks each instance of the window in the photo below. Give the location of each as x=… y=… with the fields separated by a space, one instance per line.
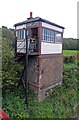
x=28 y=34
x=58 y=37
x=20 y=34
x=47 y=35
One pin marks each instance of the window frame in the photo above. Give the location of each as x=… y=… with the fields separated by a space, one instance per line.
x=46 y=35
x=58 y=41
x=51 y=35
x=20 y=34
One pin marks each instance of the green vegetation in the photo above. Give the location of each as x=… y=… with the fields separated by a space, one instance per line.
x=13 y=103
x=10 y=70
x=61 y=102
x=62 y=99
x=70 y=44
x=70 y=52
x=0 y=68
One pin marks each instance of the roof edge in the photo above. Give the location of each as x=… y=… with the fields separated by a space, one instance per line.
x=38 y=19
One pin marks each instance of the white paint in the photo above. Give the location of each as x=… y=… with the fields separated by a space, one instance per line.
x=51 y=48
x=20 y=27
x=21 y=46
x=20 y=43
x=21 y=50
x=52 y=27
x=26 y=25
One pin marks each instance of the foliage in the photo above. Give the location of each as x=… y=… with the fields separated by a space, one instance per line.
x=10 y=70
x=70 y=52
x=69 y=59
x=59 y=104
x=13 y=104
x=10 y=76
x=70 y=44
x=61 y=100
x=7 y=34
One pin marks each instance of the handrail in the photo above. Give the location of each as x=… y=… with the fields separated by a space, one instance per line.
x=35 y=49
x=21 y=48
x=21 y=42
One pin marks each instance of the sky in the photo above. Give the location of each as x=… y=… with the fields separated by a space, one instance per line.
x=61 y=12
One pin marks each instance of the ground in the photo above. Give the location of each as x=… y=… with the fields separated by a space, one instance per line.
x=60 y=103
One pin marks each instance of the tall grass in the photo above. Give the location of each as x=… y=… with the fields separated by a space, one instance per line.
x=70 y=52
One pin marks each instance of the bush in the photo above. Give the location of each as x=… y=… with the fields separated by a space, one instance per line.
x=69 y=59
x=7 y=34
x=14 y=105
x=70 y=44
x=10 y=70
x=13 y=99
x=60 y=103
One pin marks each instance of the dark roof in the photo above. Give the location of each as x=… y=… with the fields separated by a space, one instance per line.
x=37 y=19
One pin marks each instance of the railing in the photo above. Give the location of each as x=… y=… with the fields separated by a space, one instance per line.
x=22 y=48
x=32 y=47
x=21 y=42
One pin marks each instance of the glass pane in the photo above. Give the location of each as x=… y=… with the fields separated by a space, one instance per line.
x=42 y=31
x=28 y=34
x=43 y=34
x=22 y=34
x=44 y=37
x=52 y=33
x=48 y=35
x=58 y=37
x=19 y=34
x=45 y=31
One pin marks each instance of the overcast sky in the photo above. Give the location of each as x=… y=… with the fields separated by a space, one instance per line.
x=62 y=12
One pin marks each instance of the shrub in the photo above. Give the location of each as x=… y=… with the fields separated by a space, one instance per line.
x=10 y=70
x=69 y=59
x=70 y=44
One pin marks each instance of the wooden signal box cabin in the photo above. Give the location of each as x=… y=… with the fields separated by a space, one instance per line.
x=44 y=51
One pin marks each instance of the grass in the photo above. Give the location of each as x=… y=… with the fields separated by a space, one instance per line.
x=70 y=52
x=13 y=103
x=59 y=104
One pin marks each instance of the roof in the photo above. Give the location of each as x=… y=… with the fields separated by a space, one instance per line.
x=37 y=19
